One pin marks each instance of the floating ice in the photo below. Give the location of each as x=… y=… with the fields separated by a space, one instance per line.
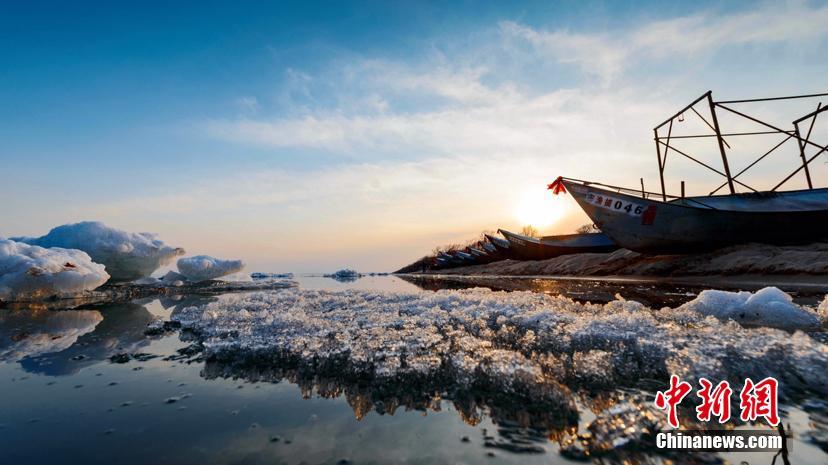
x=260 y=275
x=515 y=342
x=767 y=307
x=204 y=267
x=127 y=256
x=29 y=272
x=345 y=275
x=24 y=333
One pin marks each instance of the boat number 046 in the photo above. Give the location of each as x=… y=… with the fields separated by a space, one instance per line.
x=611 y=203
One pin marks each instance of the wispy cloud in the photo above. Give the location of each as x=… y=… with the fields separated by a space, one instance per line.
x=609 y=55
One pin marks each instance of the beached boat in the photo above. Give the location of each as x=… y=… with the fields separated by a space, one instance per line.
x=467 y=258
x=660 y=223
x=502 y=245
x=530 y=248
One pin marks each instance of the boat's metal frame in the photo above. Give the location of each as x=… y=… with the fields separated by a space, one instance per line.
x=731 y=180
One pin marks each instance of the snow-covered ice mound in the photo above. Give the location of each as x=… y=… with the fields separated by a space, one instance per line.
x=767 y=307
x=205 y=267
x=127 y=256
x=27 y=334
x=513 y=341
x=29 y=272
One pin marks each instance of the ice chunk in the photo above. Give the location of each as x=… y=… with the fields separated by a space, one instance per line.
x=29 y=272
x=767 y=307
x=127 y=256
x=344 y=275
x=205 y=267
x=24 y=333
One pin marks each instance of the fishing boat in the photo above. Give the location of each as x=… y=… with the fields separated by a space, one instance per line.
x=480 y=256
x=530 y=248
x=467 y=258
x=449 y=260
x=502 y=245
x=492 y=252
x=651 y=222
x=440 y=263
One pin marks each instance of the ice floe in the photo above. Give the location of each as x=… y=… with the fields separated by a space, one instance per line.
x=205 y=267
x=127 y=256
x=261 y=275
x=344 y=275
x=512 y=342
x=29 y=272
x=767 y=307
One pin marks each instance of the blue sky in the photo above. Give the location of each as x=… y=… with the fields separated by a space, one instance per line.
x=313 y=135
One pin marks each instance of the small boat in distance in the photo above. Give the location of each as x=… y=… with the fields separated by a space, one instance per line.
x=651 y=222
x=530 y=248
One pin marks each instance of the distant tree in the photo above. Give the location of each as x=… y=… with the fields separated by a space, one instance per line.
x=530 y=231
x=587 y=228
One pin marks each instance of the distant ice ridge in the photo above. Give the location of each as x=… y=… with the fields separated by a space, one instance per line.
x=510 y=339
x=29 y=272
x=127 y=256
x=205 y=267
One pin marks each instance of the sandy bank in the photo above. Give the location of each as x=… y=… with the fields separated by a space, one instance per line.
x=749 y=259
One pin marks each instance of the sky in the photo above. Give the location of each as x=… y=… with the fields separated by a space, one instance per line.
x=310 y=136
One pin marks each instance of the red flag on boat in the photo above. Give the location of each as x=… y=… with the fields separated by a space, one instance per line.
x=557 y=186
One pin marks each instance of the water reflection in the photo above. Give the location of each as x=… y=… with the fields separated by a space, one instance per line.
x=121 y=330
x=28 y=333
x=547 y=408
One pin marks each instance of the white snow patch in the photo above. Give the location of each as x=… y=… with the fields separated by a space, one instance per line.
x=127 y=256
x=767 y=307
x=205 y=267
x=30 y=272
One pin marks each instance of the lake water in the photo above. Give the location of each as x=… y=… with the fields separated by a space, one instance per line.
x=65 y=399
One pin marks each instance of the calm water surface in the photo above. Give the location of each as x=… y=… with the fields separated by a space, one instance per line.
x=64 y=401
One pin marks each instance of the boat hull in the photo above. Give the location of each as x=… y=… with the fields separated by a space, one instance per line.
x=654 y=227
x=528 y=248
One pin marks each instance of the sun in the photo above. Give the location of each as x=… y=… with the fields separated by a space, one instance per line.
x=538 y=208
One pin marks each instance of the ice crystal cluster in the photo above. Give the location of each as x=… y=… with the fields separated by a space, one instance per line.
x=510 y=341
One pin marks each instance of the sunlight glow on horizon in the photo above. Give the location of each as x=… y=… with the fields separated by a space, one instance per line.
x=538 y=208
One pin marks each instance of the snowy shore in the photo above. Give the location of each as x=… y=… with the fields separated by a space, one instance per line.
x=748 y=259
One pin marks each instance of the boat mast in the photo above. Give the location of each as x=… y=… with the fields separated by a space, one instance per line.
x=721 y=141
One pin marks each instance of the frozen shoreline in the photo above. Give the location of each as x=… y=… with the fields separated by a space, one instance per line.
x=750 y=260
